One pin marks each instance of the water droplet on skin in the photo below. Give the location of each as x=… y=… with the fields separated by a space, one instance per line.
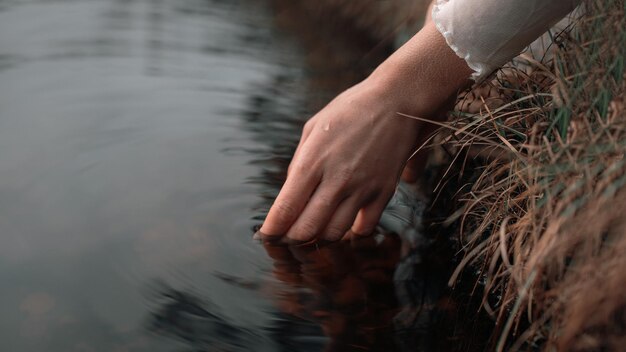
x=327 y=126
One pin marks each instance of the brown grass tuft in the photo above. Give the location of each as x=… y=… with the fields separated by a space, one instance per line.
x=544 y=223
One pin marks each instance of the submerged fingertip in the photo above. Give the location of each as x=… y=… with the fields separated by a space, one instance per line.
x=361 y=232
x=297 y=242
x=264 y=237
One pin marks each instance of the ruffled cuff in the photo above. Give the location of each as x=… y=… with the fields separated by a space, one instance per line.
x=489 y=33
x=443 y=22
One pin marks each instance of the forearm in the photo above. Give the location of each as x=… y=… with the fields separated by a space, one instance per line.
x=426 y=71
x=423 y=74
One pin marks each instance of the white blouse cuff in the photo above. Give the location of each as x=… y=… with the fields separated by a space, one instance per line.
x=480 y=69
x=489 y=33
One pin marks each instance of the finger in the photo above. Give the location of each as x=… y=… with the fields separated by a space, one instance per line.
x=414 y=167
x=316 y=214
x=290 y=202
x=306 y=131
x=295 y=156
x=368 y=217
x=341 y=220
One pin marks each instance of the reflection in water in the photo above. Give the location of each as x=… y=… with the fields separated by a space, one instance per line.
x=186 y=317
x=347 y=288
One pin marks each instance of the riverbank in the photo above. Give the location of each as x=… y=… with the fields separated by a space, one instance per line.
x=543 y=220
x=539 y=175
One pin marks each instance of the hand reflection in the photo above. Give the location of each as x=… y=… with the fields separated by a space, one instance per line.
x=347 y=287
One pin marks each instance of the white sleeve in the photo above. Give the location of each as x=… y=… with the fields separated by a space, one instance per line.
x=489 y=33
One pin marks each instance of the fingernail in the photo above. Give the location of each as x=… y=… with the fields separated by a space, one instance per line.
x=260 y=236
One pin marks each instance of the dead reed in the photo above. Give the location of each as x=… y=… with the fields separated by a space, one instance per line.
x=544 y=222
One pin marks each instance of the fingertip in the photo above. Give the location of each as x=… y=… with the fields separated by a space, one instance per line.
x=350 y=235
x=363 y=226
x=409 y=175
x=289 y=204
x=265 y=238
x=266 y=229
x=362 y=232
x=367 y=219
x=281 y=216
x=263 y=233
x=414 y=168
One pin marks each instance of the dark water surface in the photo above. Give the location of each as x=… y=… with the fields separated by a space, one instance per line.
x=140 y=143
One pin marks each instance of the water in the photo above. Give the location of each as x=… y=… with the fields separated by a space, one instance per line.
x=140 y=143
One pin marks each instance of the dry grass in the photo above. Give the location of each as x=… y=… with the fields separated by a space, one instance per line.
x=544 y=223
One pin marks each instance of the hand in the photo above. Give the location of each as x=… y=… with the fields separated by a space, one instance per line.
x=352 y=153
x=345 y=168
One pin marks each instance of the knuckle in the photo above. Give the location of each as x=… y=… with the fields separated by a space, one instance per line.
x=305 y=163
x=298 y=167
x=334 y=233
x=285 y=211
x=344 y=177
x=375 y=191
x=346 y=174
x=325 y=200
x=308 y=126
x=306 y=229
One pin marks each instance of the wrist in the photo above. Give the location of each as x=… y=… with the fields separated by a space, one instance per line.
x=422 y=75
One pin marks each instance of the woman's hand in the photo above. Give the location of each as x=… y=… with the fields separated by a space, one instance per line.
x=348 y=162
x=352 y=152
